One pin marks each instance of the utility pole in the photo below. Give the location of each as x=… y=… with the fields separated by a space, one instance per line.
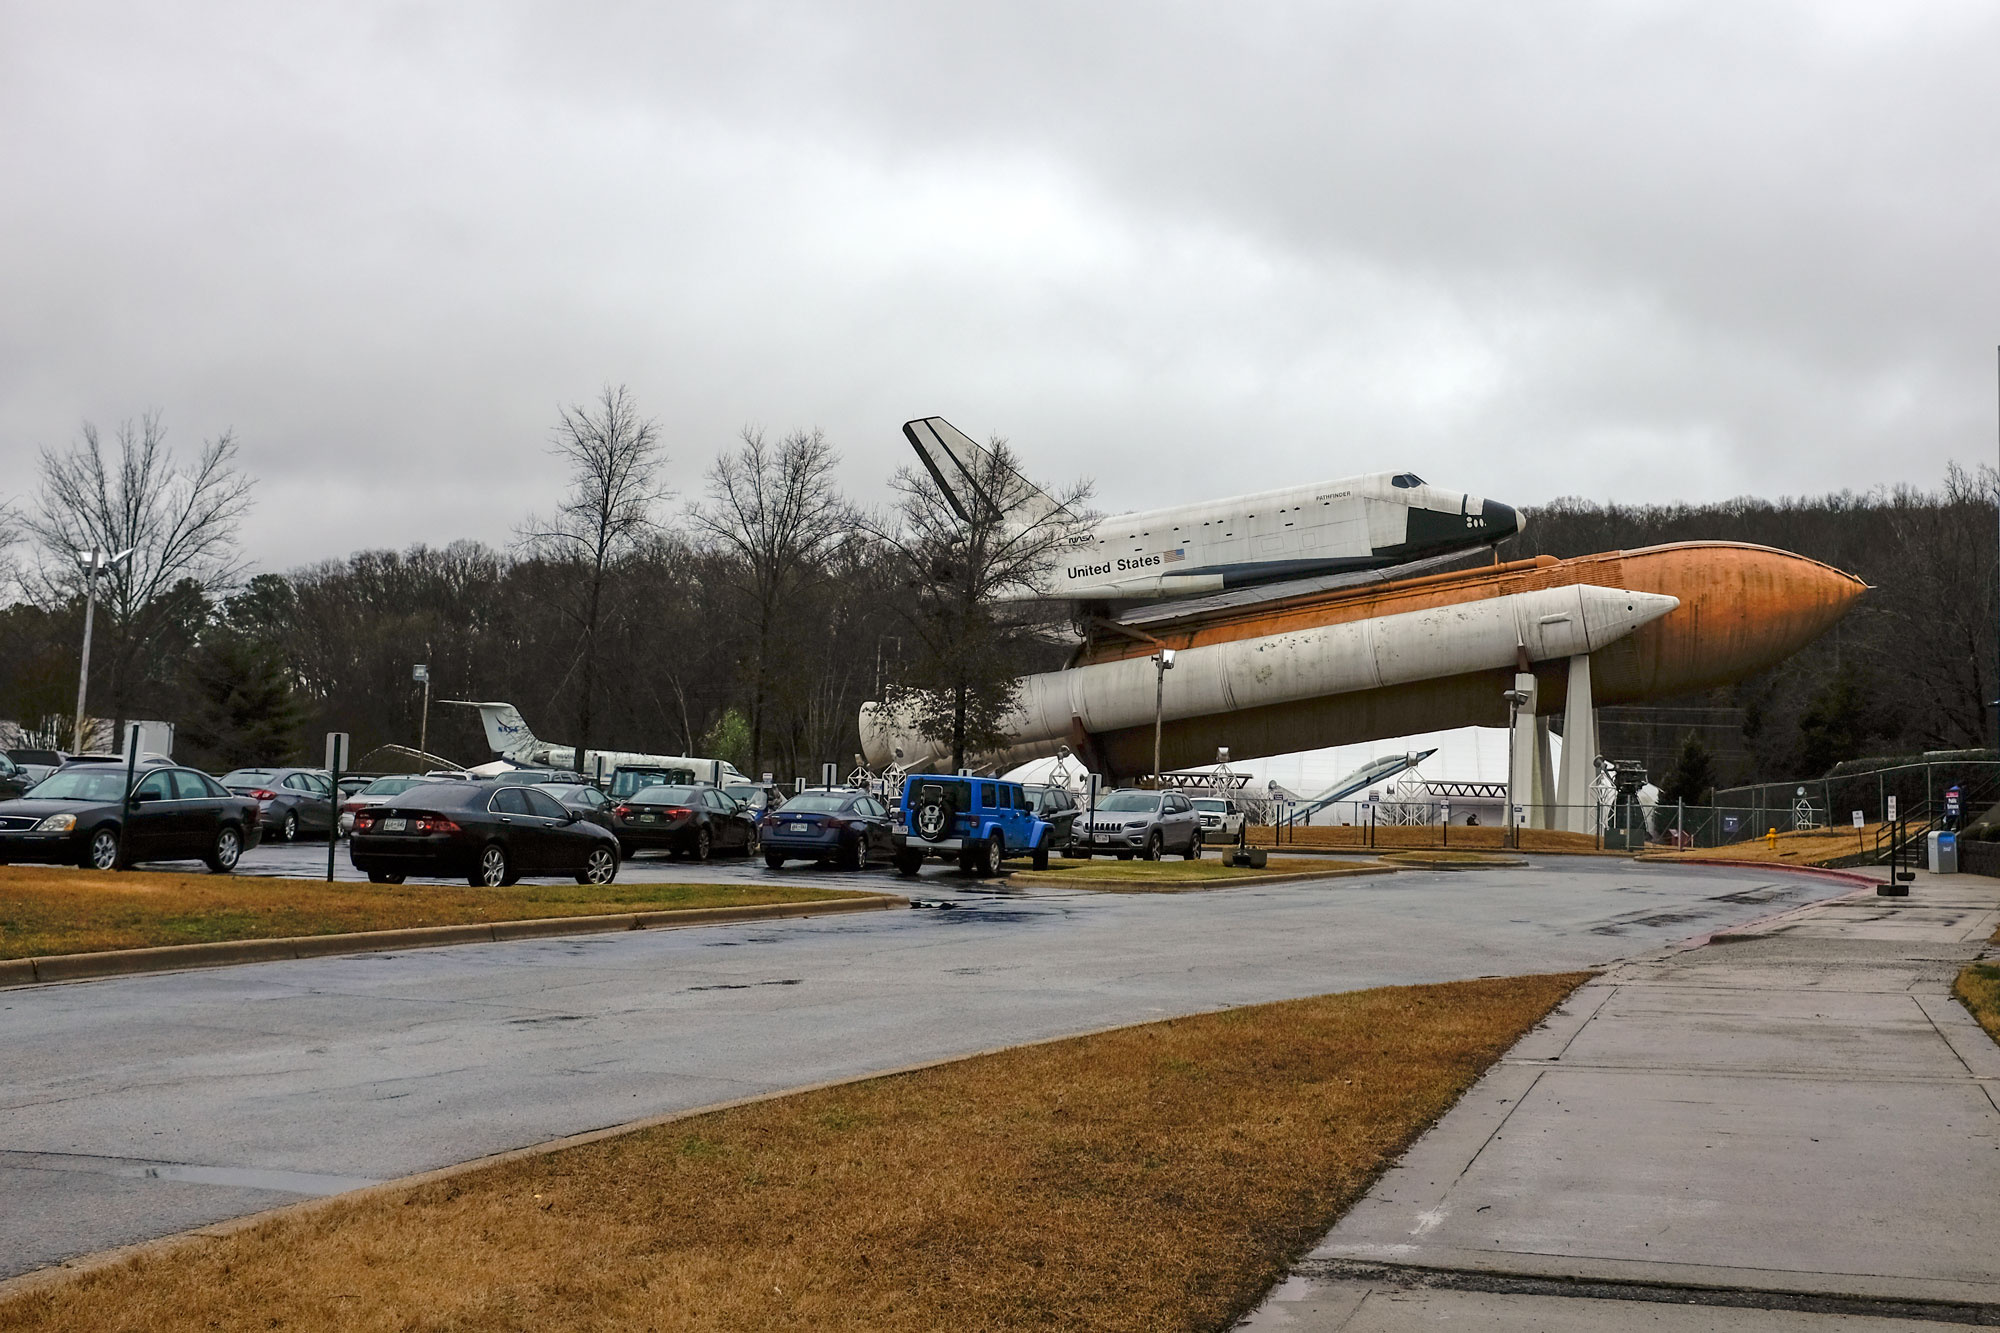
x=99 y=561
x=1163 y=662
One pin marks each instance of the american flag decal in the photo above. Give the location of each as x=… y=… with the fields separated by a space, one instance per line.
x=1174 y=556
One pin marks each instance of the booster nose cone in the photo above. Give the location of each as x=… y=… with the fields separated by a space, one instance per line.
x=1501 y=521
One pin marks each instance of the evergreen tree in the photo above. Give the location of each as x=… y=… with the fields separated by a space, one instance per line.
x=241 y=708
x=1692 y=778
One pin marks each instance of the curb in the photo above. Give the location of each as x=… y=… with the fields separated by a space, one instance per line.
x=177 y=957
x=1045 y=880
x=1824 y=872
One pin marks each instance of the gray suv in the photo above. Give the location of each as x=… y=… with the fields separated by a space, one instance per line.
x=1149 y=824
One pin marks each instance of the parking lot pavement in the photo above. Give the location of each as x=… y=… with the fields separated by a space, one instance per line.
x=136 y=1107
x=1799 y=1118
x=307 y=860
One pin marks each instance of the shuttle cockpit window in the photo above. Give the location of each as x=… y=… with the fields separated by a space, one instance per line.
x=1405 y=480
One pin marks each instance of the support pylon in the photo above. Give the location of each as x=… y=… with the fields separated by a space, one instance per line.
x=1574 y=795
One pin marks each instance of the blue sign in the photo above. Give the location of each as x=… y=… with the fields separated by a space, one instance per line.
x=1951 y=802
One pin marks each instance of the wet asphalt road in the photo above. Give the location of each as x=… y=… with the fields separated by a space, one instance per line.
x=140 y=1106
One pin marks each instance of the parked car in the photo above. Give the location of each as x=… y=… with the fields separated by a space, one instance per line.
x=631 y=781
x=14 y=780
x=1056 y=807
x=979 y=822
x=583 y=798
x=75 y=817
x=761 y=799
x=37 y=764
x=831 y=824
x=375 y=792
x=295 y=801
x=1131 y=822
x=491 y=835
x=351 y=783
x=1222 y=820
x=686 y=820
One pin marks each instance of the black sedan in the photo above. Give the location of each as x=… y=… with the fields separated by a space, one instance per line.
x=850 y=827
x=491 y=835
x=295 y=801
x=14 y=780
x=583 y=798
x=695 y=821
x=75 y=817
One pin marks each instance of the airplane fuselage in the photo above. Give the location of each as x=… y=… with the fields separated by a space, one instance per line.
x=1371 y=522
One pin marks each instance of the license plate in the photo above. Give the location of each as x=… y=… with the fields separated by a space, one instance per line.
x=395 y=825
x=903 y=830
x=798 y=828
x=647 y=819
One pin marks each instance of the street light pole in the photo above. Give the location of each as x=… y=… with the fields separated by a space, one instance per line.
x=422 y=672
x=1163 y=662
x=99 y=561
x=1515 y=698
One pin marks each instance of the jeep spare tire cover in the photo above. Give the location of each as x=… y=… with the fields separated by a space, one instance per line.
x=935 y=809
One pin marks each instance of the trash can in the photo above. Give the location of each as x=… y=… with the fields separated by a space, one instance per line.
x=1943 y=849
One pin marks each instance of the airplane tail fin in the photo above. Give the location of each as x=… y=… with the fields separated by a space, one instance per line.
x=506 y=729
x=973 y=479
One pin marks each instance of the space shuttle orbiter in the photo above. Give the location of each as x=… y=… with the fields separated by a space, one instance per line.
x=1373 y=522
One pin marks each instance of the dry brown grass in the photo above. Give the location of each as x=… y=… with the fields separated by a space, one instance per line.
x=1156 y=1177
x=1454 y=857
x=1978 y=989
x=1804 y=849
x=52 y=910
x=1418 y=837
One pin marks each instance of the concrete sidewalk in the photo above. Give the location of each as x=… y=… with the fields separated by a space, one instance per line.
x=1792 y=1126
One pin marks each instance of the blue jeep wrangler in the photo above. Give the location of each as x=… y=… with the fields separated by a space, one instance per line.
x=977 y=821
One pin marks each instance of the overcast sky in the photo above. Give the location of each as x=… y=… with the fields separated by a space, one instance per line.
x=1638 y=251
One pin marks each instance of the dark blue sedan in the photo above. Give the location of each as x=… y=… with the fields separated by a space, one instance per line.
x=850 y=828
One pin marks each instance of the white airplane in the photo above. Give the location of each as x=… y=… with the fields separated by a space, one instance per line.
x=1372 y=522
x=507 y=732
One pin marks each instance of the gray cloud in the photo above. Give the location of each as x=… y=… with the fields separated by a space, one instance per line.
x=1646 y=251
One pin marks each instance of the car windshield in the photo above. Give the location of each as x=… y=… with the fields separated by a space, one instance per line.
x=1213 y=807
x=1130 y=801
x=668 y=796
x=823 y=802
x=628 y=780
x=81 y=784
x=383 y=786
x=246 y=777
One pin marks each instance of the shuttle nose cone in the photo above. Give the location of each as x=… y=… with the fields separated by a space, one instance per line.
x=1501 y=520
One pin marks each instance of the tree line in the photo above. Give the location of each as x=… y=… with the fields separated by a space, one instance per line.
x=752 y=621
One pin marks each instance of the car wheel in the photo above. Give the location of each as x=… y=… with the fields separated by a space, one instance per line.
x=601 y=868
x=101 y=852
x=756 y=841
x=1193 y=852
x=227 y=852
x=909 y=863
x=855 y=857
x=704 y=844
x=1155 y=846
x=384 y=877
x=289 y=830
x=774 y=860
x=1041 y=858
x=990 y=856
x=493 y=869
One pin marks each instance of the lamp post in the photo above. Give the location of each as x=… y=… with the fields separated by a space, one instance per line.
x=99 y=562
x=422 y=671
x=1514 y=698
x=1163 y=662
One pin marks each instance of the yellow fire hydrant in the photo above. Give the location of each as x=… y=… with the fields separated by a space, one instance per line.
x=1771 y=840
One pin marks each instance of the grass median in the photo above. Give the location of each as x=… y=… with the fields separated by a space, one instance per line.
x=1154 y=1177
x=53 y=910
x=1170 y=875
x=1978 y=989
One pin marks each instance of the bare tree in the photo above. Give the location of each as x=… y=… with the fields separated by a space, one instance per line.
x=614 y=457
x=777 y=513
x=972 y=565
x=179 y=522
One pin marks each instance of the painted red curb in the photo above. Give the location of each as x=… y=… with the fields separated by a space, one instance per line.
x=1824 y=872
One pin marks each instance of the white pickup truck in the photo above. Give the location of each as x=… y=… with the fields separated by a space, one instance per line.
x=1222 y=820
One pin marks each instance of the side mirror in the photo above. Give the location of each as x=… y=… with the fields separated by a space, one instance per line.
x=570 y=816
x=141 y=797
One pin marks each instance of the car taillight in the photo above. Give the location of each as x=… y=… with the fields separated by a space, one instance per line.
x=364 y=821
x=351 y=806
x=435 y=824
x=261 y=794
x=623 y=812
x=833 y=822
x=676 y=811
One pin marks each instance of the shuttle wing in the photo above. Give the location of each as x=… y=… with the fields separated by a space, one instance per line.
x=1164 y=613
